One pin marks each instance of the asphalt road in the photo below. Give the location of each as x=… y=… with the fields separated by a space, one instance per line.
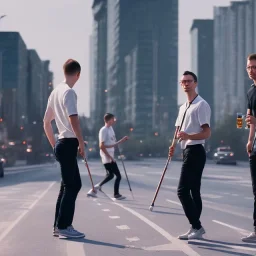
x=27 y=204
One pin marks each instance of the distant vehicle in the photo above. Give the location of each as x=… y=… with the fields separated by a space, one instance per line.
x=2 y=162
x=224 y=155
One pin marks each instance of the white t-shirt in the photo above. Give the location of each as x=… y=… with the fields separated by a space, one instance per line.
x=107 y=135
x=63 y=101
x=198 y=114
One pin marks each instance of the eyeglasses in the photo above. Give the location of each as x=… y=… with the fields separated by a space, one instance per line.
x=186 y=81
x=251 y=68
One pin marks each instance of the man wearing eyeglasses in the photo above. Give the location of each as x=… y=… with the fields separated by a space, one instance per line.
x=251 y=120
x=193 y=132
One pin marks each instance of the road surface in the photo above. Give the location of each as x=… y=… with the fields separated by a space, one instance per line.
x=27 y=203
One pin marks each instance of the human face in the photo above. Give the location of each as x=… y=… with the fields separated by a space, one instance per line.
x=112 y=121
x=188 y=83
x=251 y=69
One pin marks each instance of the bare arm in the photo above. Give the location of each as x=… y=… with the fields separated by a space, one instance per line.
x=204 y=134
x=117 y=143
x=75 y=123
x=48 y=117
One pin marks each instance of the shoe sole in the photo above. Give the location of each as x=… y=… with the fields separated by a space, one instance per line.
x=121 y=198
x=73 y=237
x=183 y=238
x=249 y=241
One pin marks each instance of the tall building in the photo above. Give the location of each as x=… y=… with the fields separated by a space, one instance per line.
x=99 y=50
x=141 y=43
x=234 y=38
x=202 y=58
x=13 y=80
x=154 y=46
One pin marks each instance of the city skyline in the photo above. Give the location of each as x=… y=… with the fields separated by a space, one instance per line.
x=55 y=43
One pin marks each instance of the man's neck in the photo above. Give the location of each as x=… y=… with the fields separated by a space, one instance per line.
x=254 y=81
x=107 y=125
x=69 y=83
x=191 y=96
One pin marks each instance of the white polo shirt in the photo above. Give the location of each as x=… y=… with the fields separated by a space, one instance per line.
x=63 y=101
x=198 y=114
x=107 y=135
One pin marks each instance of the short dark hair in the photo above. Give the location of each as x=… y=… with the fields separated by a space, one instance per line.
x=108 y=117
x=71 y=67
x=190 y=73
x=252 y=57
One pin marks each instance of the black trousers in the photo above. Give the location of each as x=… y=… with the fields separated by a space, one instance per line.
x=194 y=158
x=112 y=169
x=66 y=154
x=253 y=177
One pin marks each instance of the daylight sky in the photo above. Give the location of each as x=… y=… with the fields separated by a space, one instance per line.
x=60 y=29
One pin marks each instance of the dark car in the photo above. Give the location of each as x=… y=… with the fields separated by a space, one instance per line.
x=224 y=155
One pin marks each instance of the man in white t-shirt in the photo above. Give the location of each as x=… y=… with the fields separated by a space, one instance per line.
x=193 y=124
x=62 y=107
x=107 y=143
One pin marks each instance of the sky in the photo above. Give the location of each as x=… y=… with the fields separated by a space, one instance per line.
x=60 y=29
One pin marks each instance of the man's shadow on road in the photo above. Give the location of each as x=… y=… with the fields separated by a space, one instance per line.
x=99 y=243
x=220 y=246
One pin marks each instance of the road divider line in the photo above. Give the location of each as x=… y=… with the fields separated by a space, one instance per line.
x=106 y=210
x=114 y=217
x=179 y=245
x=133 y=239
x=14 y=223
x=123 y=227
x=211 y=205
x=240 y=230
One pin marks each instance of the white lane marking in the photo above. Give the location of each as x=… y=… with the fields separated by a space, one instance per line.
x=106 y=210
x=123 y=227
x=136 y=174
x=75 y=248
x=234 y=194
x=173 y=202
x=170 y=187
x=114 y=217
x=211 y=196
x=98 y=204
x=213 y=206
x=240 y=230
x=14 y=223
x=249 y=198
x=180 y=245
x=133 y=239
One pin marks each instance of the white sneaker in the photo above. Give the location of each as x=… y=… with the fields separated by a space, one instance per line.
x=97 y=187
x=185 y=236
x=55 y=232
x=197 y=234
x=92 y=193
x=250 y=238
x=70 y=232
x=119 y=197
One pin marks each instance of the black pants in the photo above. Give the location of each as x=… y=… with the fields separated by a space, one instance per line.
x=66 y=154
x=253 y=176
x=194 y=159
x=112 y=169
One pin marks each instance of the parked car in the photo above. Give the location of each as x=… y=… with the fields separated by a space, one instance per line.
x=224 y=155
